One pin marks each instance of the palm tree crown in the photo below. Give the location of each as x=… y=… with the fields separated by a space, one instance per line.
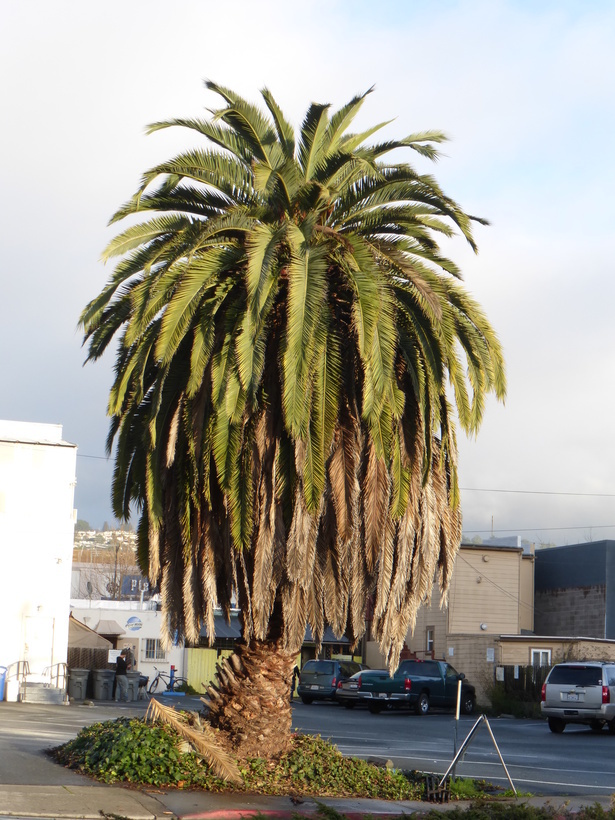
x=293 y=351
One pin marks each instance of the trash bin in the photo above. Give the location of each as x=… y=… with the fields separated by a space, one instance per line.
x=77 y=683
x=133 y=685
x=103 y=683
x=143 y=681
x=2 y=679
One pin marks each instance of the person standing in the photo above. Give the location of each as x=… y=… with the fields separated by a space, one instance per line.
x=122 y=665
x=294 y=682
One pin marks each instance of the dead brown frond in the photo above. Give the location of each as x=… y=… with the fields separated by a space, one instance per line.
x=202 y=740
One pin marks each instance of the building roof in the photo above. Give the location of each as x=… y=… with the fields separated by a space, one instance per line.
x=26 y=432
x=109 y=627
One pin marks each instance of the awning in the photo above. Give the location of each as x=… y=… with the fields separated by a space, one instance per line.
x=328 y=636
x=233 y=631
x=109 y=628
x=81 y=636
x=224 y=630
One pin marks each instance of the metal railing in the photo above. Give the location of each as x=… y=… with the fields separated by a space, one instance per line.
x=57 y=675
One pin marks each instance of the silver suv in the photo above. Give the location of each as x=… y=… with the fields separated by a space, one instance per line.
x=580 y=692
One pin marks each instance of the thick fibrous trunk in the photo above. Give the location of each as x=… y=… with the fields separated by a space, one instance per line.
x=250 y=700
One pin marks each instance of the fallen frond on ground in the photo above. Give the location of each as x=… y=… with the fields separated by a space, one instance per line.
x=200 y=736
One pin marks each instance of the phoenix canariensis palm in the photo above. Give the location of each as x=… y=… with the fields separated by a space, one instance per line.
x=294 y=355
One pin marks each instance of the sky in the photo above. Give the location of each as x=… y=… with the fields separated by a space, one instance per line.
x=524 y=90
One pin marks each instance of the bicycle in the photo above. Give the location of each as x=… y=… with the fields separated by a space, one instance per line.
x=170 y=684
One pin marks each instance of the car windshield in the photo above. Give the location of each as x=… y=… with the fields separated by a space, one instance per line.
x=319 y=668
x=348 y=668
x=576 y=675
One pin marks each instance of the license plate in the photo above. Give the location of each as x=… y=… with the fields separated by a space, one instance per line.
x=314 y=686
x=382 y=695
x=572 y=696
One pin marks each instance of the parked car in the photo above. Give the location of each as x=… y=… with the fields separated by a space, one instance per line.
x=348 y=692
x=416 y=684
x=580 y=692
x=318 y=679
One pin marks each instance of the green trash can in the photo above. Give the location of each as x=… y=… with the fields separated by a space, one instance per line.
x=103 y=683
x=77 y=683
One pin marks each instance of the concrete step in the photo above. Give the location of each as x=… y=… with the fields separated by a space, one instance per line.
x=42 y=693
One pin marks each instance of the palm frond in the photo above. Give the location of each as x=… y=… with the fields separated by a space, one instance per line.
x=203 y=740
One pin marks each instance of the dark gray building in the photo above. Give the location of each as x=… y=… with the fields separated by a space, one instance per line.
x=575 y=590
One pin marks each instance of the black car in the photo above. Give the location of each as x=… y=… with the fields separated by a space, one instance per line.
x=318 y=680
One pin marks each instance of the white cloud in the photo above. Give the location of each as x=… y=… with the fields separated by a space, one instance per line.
x=523 y=88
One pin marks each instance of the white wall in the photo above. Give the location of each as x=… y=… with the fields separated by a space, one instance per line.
x=138 y=622
x=37 y=484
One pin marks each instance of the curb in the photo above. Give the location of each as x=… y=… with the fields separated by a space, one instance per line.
x=238 y=814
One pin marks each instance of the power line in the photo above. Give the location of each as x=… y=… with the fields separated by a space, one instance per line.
x=466 y=489
x=536 y=492
x=544 y=529
x=493 y=490
x=100 y=458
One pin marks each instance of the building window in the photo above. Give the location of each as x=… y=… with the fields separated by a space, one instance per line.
x=429 y=640
x=154 y=650
x=540 y=657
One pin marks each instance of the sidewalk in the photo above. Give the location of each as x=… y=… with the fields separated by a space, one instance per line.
x=97 y=802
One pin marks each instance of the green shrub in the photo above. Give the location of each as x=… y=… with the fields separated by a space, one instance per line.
x=128 y=749
x=137 y=752
x=513 y=703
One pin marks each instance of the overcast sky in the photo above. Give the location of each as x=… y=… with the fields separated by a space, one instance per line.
x=523 y=89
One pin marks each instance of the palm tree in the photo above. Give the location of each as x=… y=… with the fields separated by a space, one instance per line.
x=294 y=355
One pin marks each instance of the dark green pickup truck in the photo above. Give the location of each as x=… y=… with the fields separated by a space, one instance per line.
x=415 y=685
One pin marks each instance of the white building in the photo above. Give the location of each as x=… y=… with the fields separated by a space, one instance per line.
x=37 y=485
x=132 y=625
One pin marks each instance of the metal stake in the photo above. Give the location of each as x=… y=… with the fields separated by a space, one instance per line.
x=481 y=719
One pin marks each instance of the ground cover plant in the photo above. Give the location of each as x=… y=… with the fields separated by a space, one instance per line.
x=171 y=748
x=135 y=751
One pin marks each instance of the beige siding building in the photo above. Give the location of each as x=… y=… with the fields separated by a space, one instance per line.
x=491 y=595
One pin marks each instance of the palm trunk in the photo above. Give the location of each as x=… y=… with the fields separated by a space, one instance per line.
x=250 y=699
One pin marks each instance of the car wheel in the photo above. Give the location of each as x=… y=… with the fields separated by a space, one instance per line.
x=421 y=707
x=596 y=725
x=349 y=704
x=467 y=704
x=375 y=708
x=557 y=725
x=306 y=699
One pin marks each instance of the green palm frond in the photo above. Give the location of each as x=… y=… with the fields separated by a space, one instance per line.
x=312 y=138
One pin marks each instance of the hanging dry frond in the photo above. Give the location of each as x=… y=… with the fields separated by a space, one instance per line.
x=203 y=740
x=375 y=501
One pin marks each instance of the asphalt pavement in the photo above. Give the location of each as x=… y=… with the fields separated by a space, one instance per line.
x=38 y=788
